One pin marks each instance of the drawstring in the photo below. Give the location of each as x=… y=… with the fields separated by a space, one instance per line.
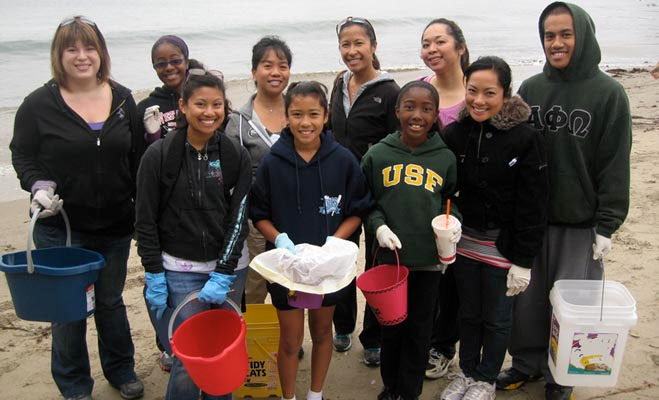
x=297 y=186
x=322 y=194
x=240 y=129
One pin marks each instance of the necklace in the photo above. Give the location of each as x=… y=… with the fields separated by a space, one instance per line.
x=205 y=155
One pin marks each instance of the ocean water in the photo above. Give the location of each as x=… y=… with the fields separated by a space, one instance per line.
x=221 y=34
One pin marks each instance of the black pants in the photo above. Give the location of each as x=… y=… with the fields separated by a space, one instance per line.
x=445 y=332
x=405 y=346
x=345 y=313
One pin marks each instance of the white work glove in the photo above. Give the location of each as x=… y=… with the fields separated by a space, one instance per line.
x=47 y=200
x=601 y=247
x=518 y=280
x=152 y=120
x=386 y=238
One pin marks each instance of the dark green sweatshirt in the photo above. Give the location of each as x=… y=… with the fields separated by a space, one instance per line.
x=585 y=117
x=410 y=188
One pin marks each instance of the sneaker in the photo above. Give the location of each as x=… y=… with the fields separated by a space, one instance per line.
x=386 y=394
x=438 y=364
x=558 y=392
x=342 y=342
x=166 y=361
x=131 y=390
x=372 y=357
x=480 y=390
x=457 y=388
x=511 y=379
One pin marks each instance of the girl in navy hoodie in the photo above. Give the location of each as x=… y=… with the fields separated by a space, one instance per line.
x=307 y=189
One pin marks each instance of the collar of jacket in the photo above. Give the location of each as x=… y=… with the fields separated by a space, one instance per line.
x=514 y=112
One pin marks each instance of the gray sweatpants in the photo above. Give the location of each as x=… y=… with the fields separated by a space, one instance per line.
x=566 y=253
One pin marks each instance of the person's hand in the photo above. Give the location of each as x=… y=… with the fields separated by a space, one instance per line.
x=386 y=238
x=216 y=288
x=48 y=201
x=283 y=242
x=518 y=280
x=601 y=247
x=156 y=292
x=152 y=120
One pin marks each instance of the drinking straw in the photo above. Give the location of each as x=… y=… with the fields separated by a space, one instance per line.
x=448 y=211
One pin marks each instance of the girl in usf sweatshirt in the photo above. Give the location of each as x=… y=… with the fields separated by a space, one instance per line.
x=411 y=174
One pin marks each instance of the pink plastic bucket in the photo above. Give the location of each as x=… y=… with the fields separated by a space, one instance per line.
x=385 y=290
x=299 y=299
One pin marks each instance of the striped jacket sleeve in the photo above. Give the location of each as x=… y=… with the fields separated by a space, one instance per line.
x=236 y=228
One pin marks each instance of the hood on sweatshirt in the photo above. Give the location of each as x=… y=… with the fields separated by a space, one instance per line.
x=433 y=143
x=586 y=54
x=284 y=148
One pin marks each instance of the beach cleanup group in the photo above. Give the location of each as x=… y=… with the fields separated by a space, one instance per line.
x=534 y=183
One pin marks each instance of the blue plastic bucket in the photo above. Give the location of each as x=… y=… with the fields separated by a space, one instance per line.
x=54 y=284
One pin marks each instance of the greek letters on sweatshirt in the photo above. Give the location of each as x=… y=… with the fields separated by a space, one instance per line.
x=410 y=188
x=310 y=200
x=585 y=117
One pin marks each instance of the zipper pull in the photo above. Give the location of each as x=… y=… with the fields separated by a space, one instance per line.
x=98 y=141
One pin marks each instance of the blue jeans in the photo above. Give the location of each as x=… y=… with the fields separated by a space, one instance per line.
x=485 y=318
x=179 y=285
x=70 y=359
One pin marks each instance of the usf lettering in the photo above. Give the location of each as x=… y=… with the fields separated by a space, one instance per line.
x=415 y=175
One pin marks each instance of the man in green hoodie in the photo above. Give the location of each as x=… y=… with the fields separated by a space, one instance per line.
x=585 y=117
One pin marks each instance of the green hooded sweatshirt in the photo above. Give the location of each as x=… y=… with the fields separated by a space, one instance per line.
x=585 y=117
x=410 y=188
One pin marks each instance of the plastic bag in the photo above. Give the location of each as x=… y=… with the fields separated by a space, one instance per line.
x=313 y=269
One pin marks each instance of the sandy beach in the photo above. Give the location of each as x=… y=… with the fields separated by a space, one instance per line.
x=25 y=346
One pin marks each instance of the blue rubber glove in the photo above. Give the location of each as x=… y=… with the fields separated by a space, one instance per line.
x=216 y=288
x=156 y=292
x=283 y=242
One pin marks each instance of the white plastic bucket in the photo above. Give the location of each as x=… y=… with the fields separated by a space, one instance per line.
x=584 y=350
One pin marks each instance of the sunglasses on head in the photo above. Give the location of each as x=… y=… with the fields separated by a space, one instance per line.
x=201 y=72
x=81 y=18
x=163 y=64
x=354 y=20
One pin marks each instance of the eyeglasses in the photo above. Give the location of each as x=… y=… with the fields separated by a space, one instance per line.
x=201 y=72
x=163 y=64
x=354 y=20
x=81 y=18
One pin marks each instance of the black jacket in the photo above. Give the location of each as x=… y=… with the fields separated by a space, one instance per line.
x=502 y=179
x=167 y=99
x=94 y=173
x=190 y=207
x=371 y=118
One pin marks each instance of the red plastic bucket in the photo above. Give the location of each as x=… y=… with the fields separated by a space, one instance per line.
x=211 y=345
x=385 y=290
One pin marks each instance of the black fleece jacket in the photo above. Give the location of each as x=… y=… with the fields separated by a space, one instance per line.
x=94 y=171
x=191 y=204
x=502 y=178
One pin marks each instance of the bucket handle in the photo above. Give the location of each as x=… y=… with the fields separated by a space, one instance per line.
x=30 y=234
x=603 y=281
x=192 y=296
x=397 y=261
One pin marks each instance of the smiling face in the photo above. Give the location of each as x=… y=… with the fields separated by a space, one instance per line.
x=80 y=61
x=170 y=65
x=438 y=50
x=306 y=117
x=559 y=39
x=417 y=112
x=204 y=111
x=356 y=48
x=484 y=96
x=272 y=73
